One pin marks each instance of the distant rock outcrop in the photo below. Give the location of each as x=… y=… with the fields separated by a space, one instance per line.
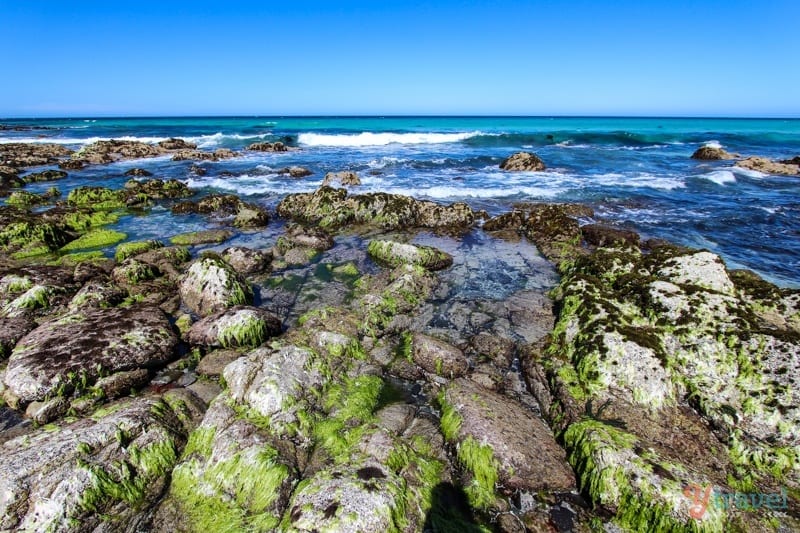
x=523 y=162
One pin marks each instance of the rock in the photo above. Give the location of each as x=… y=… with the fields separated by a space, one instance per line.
x=304 y=237
x=103 y=152
x=438 y=357
x=74 y=350
x=332 y=209
x=246 y=260
x=122 y=383
x=198 y=155
x=554 y=231
x=74 y=476
x=344 y=177
x=235 y=327
x=268 y=147
x=23 y=155
x=212 y=285
x=215 y=362
x=176 y=144
x=47 y=175
x=43 y=412
x=395 y=253
x=599 y=235
x=250 y=216
x=134 y=248
x=246 y=215
x=507 y=221
x=97 y=294
x=499 y=350
x=762 y=164
x=299 y=256
x=793 y=161
x=71 y=164
x=26 y=200
x=140 y=192
x=12 y=330
x=295 y=172
x=166 y=260
x=138 y=173
x=132 y=272
x=522 y=162
x=201 y=237
x=712 y=153
x=501 y=443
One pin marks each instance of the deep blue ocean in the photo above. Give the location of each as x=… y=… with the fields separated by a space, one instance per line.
x=635 y=172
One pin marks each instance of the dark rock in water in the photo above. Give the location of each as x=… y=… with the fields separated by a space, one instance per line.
x=523 y=162
x=176 y=144
x=198 y=170
x=114 y=464
x=268 y=147
x=395 y=253
x=138 y=173
x=71 y=164
x=345 y=177
x=47 y=175
x=73 y=351
x=767 y=166
x=246 y=260
x=497 y=434
x=599 y=235
x=332 y=209
x=793 y=161
x=155 y=189
x=22 y=155
x=212 y=285
x=711 y=153
x=295 y=172
x=199 y=155
x=438 y=357
x=239 y=326
x=507 y=221
x=297 y=236
x=246 y=215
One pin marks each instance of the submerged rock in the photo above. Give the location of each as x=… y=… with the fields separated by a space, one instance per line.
x=75 y=350
x=201 y=237
x=712 y=153
x=74 y=476
x=523 y=162
x=212 y=285
x=46 y=175
x=138 y=173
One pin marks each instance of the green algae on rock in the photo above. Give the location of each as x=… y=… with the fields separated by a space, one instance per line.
x=211 y=285
x=131 y=249
x=201 y=237
x=97 y=238
x=96 y=198
x=238 y=326
x=395 y=253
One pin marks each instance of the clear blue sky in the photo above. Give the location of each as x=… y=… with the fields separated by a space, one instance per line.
x=120 y=57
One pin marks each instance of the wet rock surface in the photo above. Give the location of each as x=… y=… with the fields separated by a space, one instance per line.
x=712 y=153
x=522 y=162
x=767 y=166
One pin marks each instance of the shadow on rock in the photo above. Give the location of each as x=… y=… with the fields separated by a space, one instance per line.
x=450 y=511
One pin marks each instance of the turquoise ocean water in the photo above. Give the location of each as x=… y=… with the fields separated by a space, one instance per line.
x=635 y=172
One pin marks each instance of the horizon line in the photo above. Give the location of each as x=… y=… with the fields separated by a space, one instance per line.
x=398 y=115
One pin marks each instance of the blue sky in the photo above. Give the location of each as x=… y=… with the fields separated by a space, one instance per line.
x=98 y=58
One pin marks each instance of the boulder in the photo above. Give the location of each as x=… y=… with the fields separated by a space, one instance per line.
x=71 y=164
x=138 y=173
x=46 y=175
x=74 y=476
x=102 y=152
x=176 y=144
x=141 y=191
x=75 y=350
x=12 y=330
x=212 y=285
x=246 y=215
x=268 y=147
x=246 y=260
x=239 y=326
x=395 y=253
x=438 y=357
x=23 y=155
x=295 y=172
x=502 y=443
x=712 y=153
x=767 y=166
x=193 y=238
x=199 y=155
x=344 y=177
x=297 y=236
x=214 y=363
x=522 y=162
x=599 y=235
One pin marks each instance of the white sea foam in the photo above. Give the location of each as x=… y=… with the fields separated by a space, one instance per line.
x=383 y=162
x=369 y=138
x=748 y=172
x=720 y=177
x=447 y=191
x=202 y=141
x=712 y=144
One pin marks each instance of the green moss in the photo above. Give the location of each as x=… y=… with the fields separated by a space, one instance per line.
x=347 y=270
x=200 y=237
x=79 y=257
x=479 y=460
x=16 y=284
x=200 y=443
x=25 y=199
x=33 y=238
x=450 y=422
x=96 y=198
x=84 y=220
x=99 y=238
x=36 y=297
x=251 y=331
x=130 y=249
x=135 y=271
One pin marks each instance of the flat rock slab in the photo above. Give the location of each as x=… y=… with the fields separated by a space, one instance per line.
x=82 y=345
x=528 y=455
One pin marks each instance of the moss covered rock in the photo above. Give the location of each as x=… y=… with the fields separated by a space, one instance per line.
x=211 y=285
x=26 y=200
x=395 y=253
x=235 y=327
x=132 y=249
x=97 y=238
x=246 y=260
x=523 y=162
x=73 y=476
x=72 y=352
x=712 y=153
x=46 y=175
x=96 y=198
x=438 y=357
x=215 y=236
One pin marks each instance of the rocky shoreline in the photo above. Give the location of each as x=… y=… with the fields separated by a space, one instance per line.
x=346 y=380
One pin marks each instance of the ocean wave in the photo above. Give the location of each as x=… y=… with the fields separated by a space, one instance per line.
x=713 y=144
x=450 y=192
x=369 y=138
x=748 y=172
x=202 y=141
x=720 y=177
x=383 y=162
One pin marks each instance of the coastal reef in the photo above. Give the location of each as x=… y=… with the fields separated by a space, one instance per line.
x=376 y=362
